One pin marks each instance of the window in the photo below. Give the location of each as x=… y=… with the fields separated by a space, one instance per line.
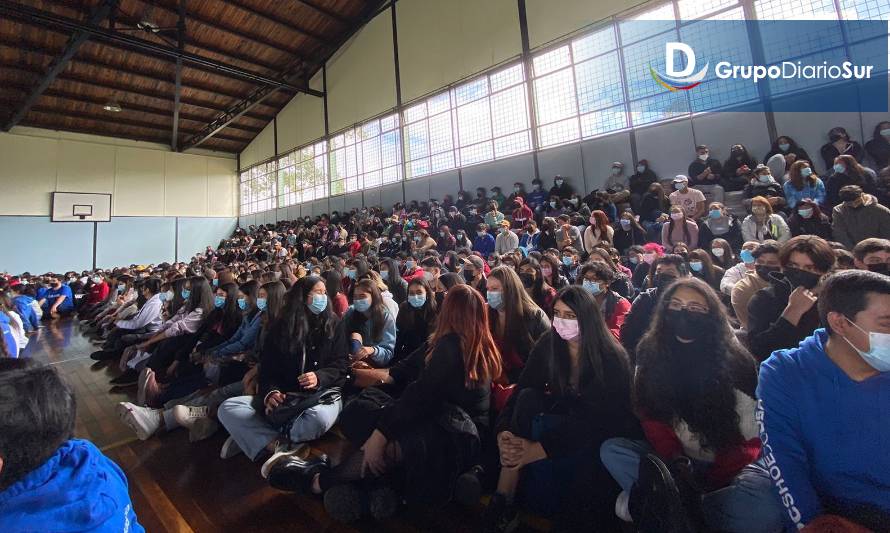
x=366 y=156
x=483 y=119
x=302 y=175
x=258 y=188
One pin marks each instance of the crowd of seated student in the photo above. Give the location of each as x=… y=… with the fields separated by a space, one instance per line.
x=580 y=358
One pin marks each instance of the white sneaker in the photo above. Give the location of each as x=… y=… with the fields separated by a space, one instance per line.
x=143 y=420
x=622 y=506
x=186 y=415
x=281 y=451
x=230 y=449
x=140 y=385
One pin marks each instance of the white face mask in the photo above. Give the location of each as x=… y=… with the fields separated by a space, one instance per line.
x=878 y=355
x=703 y=157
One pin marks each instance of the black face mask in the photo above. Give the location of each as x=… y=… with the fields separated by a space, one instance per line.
x=468 y=275
x=801 y=278
x=686 y=324
x=835 y=137
x=880 y=268
x=528 y=280
x=663 y=280
x=764 y=271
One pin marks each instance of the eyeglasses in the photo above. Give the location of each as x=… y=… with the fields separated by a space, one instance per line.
x=692 y=307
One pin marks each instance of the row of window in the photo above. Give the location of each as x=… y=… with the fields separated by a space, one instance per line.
x=591 y=85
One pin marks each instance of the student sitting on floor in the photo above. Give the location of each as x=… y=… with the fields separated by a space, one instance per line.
x=370 y=327
x=22 y=301
x=823 y=409
x=58 y=299
x=147 y=320
x=48 y=480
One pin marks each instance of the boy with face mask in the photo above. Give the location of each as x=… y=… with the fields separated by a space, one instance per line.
x=822 y=409
x=859 y=217
x=58 y=299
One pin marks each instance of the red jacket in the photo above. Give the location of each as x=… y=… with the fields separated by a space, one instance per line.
x=98 y=293
x=354 y=248
x=521 y=214
x=616 y=319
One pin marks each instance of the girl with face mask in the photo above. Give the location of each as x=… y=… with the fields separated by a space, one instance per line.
x=847 y=170
x=679 y=229
x=736 y=168
x=416 y=319
x=808 y=219
x=628 y=232
x=694 y=389
x=788 y=149
x=878 y=147
x=840 y=143
x=803 y=183
x=574 y=366
x=762 y=224
x=370 y=327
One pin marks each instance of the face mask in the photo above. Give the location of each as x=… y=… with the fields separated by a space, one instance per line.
x=261 y=304
x=242 y=304
x=717 y=252
x=495 y=299
x=97 y=280
x=567 y=261
x=648 y=258
x=805 y=212
x=746 y=256
x=704 y=156
x=878 y=355
x=679 y=186
x=616 y=171
x=806 y=172
x=566 y=328
x=546 y=271
x=696 y=266
x=350 y=273
x=592 y=287
x=676 y=216
x=835 y=136
x=219 y=301
x=625 y=224
x=764 y=271
x=784 y=147
x=215 y=282
x=121 y=287
x=552 y=205
x=764 y=178
x=417 y=300
x=880 y=268
x=441 y=234
x=802 y=278
x=559 y=183
x=469 y=275
x=319 y=303
x=685 y=324
x=633 y=260
x=185 y=294
x=573 y=201
x=839 y=168
x=528 y=279
x=715 y=213
x=758 y=210
x=641 y=168
x=409 y=265
x=384 y=275
x=663 y=280
x=428 y=276
x=164 y=296
x=362 y=305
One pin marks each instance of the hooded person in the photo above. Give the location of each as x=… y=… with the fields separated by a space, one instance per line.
x=49 y=481
x=522 y=213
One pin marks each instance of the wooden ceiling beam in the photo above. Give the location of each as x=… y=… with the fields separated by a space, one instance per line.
x=240 y=4
x=327 y=12
x=99 y=13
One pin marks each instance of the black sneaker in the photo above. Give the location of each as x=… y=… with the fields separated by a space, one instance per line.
x=292 y=474
x=129 y=377
x=103 y=355
x=655 y=501
x=468 y=487
x=346 y=503
x=500 y=517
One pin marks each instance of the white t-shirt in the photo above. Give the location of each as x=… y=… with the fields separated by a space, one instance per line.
x=688 y=200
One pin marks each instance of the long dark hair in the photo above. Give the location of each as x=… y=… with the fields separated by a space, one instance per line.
x=670 y=225
x=250 y=288
x=296 y=321
x=275 y=291
x=377 y=311
x=694 y=383
x=200 y=296
x=231 y=314
x=603 y=361
x=409 y=316
x=537 y=290
x=518 y=306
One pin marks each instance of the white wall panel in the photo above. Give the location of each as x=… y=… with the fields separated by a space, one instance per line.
x=390 y=195
x=669 y=148
x=372 y=197
x=85 y=167
x=320 y=207
x=139 y=183
x=563 y=161
x=222 y=194
x=721 y=130
x=301 y=121
x=598 y=154
x=419 y=189
x=27 y=174
x=445 y=183
x=548 y=20
x=262 y=147
x=185 y=185
x=361 y=77
x=350 y=201
x=441 y=42
x=502 y=173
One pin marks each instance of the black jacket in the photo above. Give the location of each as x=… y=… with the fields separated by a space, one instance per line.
x=442 y=382
x=829 y=152
x=768 y=331
x=640 y=182
x=879 y=150
x=326 y=356
x=596 y=413
x=820 y=226
x=637 y=321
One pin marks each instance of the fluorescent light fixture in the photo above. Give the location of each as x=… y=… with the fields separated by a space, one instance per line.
x=112 y=106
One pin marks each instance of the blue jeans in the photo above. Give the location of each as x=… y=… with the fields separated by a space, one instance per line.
x=746 y=504
x=252 y=431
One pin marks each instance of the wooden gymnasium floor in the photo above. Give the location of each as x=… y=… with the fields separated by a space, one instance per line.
x=177 y=486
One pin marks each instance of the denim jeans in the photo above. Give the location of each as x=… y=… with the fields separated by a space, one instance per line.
x=252 y=431
x=747 y=504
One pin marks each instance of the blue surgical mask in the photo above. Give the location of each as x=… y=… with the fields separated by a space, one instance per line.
x=885 y=132
x=261 y=304
x=715 y=213
x=409 y=265
x=428 y=276
x=319 y=303
x=764 y=178
x=242 y=304
x=806 y=172
x=216 y=282
x=839 y=168
x=625 y=224
x=878 y=355
x=417 y=300
x=784 y=147
x=185 y=294
x=350 y=273
x=121 y=287
x=219 y=301
x=362 y=304
x=696 y=266
x=746 y=256
x=164 y=296
x=384 y=275
x=567 y=261
x=495 y=299
x=592 y=287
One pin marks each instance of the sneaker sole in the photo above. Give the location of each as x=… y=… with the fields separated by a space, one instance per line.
x=203 y=429
x=270 y=462
x=226 y=451
x=129 y=419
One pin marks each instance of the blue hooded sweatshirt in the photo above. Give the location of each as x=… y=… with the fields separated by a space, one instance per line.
x=825 y=437
x=23 y=307
x=77 y=489
x=6 y=335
